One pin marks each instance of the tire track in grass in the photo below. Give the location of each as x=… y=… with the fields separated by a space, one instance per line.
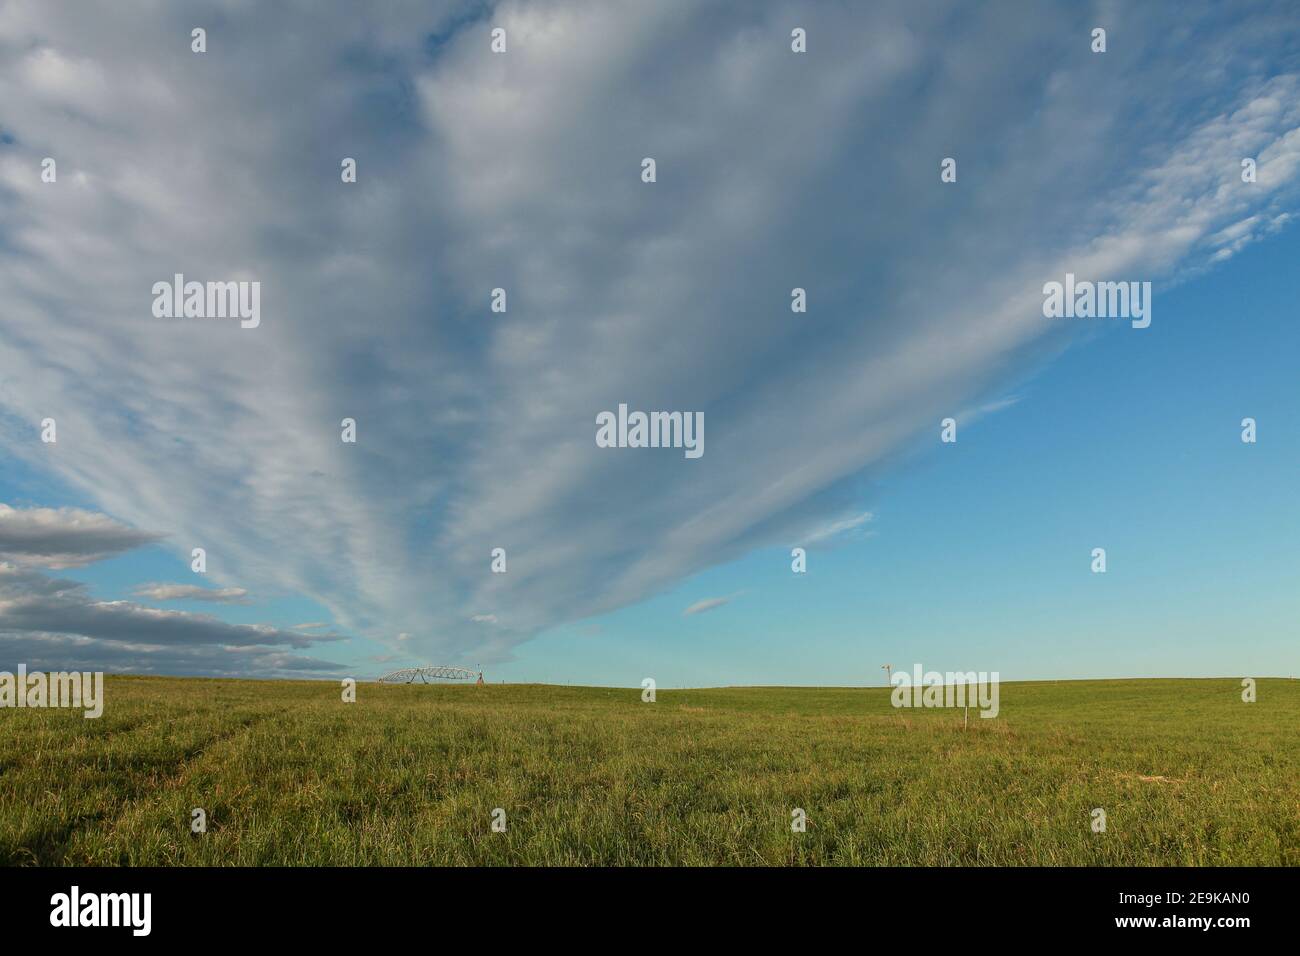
x=51 y=845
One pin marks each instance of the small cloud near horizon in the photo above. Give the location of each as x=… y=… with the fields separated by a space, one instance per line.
x=191 y=592
x=708 y=604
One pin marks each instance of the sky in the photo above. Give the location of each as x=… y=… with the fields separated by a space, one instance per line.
x=523 y=170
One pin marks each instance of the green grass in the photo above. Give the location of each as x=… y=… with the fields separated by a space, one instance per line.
x=1187 y=773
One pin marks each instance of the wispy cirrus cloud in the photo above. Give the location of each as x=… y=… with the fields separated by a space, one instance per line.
x=708 y=604
x=842 y=526
x=476 y=429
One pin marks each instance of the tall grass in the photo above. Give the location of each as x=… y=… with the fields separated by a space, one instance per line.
x=288 y=774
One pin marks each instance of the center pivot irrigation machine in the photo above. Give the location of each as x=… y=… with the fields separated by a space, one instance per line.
x=407 y=675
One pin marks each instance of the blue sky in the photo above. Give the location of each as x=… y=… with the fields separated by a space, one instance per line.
x=981 y=552
x=476 y=430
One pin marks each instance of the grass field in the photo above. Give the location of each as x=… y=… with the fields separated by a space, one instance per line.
x=1187 y=773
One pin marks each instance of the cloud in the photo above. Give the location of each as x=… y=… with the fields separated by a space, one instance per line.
x=55 y=652
x=310 y=626
x=848 y=525
x=484 y=619
x=476 y=171
x=64 y=537
x=53 y=622
x=34 y=603
x=708 y=604
x=191 y=592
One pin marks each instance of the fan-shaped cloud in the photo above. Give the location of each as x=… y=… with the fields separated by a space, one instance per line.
x=522 y=171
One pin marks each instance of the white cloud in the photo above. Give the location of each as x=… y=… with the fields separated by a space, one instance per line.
x=42 y=618
x=521 y=171
x=191 y=592
x=708 y=604
x=849 y=524
x=64 y=537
